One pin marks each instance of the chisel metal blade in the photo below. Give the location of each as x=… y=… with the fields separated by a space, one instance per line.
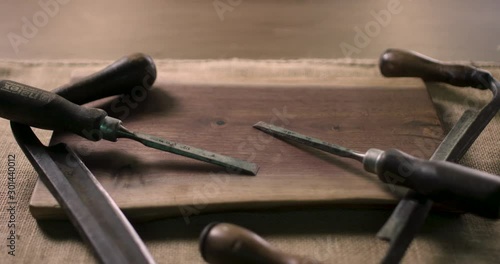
x=232 y=164
x=309 y=141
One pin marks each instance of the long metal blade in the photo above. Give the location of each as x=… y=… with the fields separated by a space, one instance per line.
x=89 y=207
x=232 y=164
x=309 y=141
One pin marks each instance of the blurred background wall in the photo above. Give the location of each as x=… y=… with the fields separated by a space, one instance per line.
x=255 y=29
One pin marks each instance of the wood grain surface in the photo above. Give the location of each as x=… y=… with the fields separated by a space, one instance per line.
x=361 y=113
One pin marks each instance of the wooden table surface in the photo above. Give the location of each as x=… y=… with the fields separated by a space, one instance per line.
x=256 y=29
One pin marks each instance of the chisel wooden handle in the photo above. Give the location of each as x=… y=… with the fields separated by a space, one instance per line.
x=222 y=243
x=136 y=71
x=401 y=63
x=47 y=110
x=38 y=108
x=472 y=190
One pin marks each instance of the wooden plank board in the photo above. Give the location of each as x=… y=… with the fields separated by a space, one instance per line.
x=358 y=113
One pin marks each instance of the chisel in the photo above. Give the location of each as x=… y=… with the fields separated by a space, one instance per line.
x=38 y=108
x=462 y=187
x=411 y=212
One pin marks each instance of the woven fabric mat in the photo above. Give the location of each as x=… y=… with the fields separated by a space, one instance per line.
x=331 y=236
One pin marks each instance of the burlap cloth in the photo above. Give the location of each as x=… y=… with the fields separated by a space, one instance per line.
x=332 y=236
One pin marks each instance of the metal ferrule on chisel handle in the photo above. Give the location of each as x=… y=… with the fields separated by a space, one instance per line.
x=109 y=128
x=372 y=159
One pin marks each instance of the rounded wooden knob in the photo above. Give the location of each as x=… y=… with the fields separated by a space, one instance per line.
x=222 y=243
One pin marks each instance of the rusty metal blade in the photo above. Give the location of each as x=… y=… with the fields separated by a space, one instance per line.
x=91 y=210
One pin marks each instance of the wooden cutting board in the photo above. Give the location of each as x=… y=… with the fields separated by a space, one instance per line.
x=359 y=113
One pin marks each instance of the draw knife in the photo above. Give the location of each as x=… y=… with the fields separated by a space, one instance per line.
x=412 y=210
x=89 y=207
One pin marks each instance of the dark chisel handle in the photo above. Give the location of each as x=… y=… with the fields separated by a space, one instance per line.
x=472 y=190
x=401 y=63
x=136 y=71
x=38 y=108
x=222 y=243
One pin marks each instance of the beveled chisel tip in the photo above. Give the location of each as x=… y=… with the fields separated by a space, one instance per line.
x=269 y=129
x=262 y=126
x=250 y=168
x=259 y=124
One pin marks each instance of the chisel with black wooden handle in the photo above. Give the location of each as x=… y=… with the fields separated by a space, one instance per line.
x=38 y=108
x=475 y=191
x=412 y=210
